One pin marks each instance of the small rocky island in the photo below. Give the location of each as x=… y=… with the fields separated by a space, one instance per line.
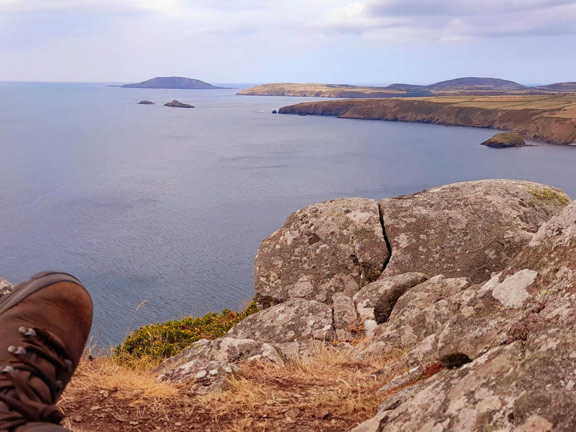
x=145 y=102
x=177 y=104
x=505 y=140
x=180 y=83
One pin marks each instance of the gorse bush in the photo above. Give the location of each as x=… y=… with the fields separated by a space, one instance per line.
x=160 y=341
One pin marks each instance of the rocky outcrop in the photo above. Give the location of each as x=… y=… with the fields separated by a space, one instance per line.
x=177 y=104
x=530 y=116
x=289 y=326
x=376 y=301
x=335 y=246
x=145 y=102
x=425 y=274
x=516 y=332
x=207 y=364
x=468 y=229
x=505 y=140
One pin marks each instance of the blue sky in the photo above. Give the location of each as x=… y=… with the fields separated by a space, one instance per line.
x=257 y=41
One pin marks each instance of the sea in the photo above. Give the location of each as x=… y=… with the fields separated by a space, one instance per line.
x=159 y=211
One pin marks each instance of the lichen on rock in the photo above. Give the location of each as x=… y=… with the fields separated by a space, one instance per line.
x=335 y=246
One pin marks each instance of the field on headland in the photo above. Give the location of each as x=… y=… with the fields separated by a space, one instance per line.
x=549 y=118
x=467 y=86
x=320 y=90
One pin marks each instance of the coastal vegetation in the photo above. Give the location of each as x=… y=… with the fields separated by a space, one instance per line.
x=505 y=140
x=156 y=342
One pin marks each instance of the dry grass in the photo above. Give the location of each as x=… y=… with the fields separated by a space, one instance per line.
x=330 y=390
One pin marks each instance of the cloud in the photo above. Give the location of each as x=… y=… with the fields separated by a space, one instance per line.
x=446 y=20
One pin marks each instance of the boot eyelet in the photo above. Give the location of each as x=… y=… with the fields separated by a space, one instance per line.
x=27 y=331
x=7 y=370
x=20 y=351
x=69 y=364
x=11 y=349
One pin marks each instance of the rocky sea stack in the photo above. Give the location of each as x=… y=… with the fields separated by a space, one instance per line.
x=505 y=140
x=177 y=104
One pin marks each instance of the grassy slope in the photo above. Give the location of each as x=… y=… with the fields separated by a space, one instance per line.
x=550 y=118
x=319 y=90
x=350 y=91
x=331 y=390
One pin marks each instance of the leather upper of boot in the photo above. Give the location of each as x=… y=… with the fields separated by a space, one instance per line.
x=42 y=338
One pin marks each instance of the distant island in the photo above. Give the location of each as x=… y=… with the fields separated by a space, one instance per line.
x=179 y=83
x=471 y=86
x=505 y=140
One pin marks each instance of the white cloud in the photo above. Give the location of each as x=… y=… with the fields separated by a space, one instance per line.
x=448 y=20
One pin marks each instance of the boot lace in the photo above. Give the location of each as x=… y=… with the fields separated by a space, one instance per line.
x=32 y=382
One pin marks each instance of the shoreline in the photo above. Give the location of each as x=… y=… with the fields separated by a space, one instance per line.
x=554 y=124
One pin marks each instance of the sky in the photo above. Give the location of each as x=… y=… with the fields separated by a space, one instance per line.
x=260 y=41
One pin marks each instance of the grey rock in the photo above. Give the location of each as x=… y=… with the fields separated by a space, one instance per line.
x=207 y=363
x=380 y=297
x=345 y=317
x=293 y=321
x=518 y=331
x=469 y=229
x=335 y=246
x=417 y=317
x=177 y=104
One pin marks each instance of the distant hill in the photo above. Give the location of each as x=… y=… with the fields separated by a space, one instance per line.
x=320 y=90
x=467 y=86
x=560 y=87
x=172 y=83
x=467 y=83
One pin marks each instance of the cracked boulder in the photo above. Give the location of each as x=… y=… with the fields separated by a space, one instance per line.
x=517 y=332
x=469 y=229
x=206 y=364
x=289 y=326
x=334 y=246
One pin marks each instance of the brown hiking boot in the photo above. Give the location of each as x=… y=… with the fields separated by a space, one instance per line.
x=44 y=325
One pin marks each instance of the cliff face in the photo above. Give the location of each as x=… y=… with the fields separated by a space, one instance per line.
x=533 y=117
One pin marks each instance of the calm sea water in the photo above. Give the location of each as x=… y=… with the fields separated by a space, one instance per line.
x=168 y=206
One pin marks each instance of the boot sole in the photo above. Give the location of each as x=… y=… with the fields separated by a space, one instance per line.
x=36 y=283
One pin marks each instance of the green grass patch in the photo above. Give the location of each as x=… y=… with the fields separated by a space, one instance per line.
x=164 y=340
x=550 y=195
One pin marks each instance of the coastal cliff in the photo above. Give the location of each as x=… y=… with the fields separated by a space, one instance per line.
x=549 y=119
